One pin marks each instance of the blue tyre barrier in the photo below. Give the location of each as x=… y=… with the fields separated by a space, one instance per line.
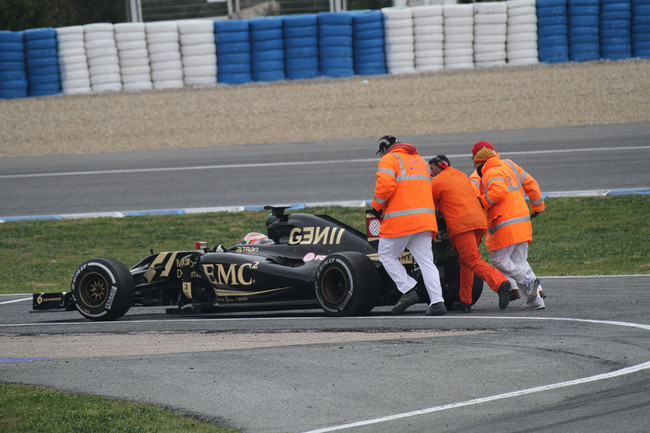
x=584 y=20
x=267 y=49
x=41 y=62
x=232 y=39
x=335 y=44
x=616 y=29
x=13 y=78
x=553 y=32
x=640 y=29
x=301 y=46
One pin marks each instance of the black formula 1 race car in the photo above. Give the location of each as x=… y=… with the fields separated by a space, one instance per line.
x=313 y=261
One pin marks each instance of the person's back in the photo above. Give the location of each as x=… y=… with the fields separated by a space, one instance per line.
x=454 y=196
x=403 y=185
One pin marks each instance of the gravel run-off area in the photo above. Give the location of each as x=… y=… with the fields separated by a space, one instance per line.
x=329 y=109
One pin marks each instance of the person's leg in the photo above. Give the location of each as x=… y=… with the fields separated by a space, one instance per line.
x=389 y=251
x=531 y=284
x=420 y=247
x=465 y=244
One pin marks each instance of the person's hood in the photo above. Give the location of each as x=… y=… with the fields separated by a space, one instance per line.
x=408 y=148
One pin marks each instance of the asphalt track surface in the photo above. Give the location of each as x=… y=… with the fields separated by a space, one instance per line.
x=596 y=157
x=581 y=365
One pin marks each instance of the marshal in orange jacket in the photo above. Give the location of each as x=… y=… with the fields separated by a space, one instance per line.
x=403 y=192
x=454 y=196
x=507 y=212
x=527 y=184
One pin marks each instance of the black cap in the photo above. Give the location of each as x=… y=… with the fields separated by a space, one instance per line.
x=386 y=142
x=441 y=161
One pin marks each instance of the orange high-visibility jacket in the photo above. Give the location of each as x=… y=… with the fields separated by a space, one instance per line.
x=403 y=191
x=454 y=196
x=507 y=212
x=527 y=185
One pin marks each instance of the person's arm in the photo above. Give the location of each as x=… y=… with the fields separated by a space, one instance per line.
x=494 y=188
x=385 y=184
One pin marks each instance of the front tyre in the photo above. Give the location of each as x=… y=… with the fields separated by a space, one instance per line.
x=346 y=284
x=477 y=289
x=102 y=289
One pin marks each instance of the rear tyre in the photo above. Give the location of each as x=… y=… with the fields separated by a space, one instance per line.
x=102 y=289
x=346 y=284
x=477 y=289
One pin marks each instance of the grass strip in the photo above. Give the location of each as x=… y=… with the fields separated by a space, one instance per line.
x=33 y=409
x=574 y=236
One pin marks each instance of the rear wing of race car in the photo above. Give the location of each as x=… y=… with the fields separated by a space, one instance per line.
x=52 y=301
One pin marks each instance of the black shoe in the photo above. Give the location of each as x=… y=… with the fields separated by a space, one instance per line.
x=437 y=309
x=504 y=295
x=409 y=298
x=461 y=306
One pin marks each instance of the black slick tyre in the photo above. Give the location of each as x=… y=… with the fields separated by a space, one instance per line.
x=102 y=289
x=477 y=289
x=346 y=284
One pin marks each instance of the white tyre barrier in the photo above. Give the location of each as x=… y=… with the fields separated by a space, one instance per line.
x=399 y=40
x=101 y=51
x=163 y=42
x=73 y=62
x=131 y=41
x=198 y=53
x=490 y=26
x=521 y=33
x=428 y=32
x=458 y=36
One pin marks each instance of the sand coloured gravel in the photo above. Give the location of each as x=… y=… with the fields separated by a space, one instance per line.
x=329 y=109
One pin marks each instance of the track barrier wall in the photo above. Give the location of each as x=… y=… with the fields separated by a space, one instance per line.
x=103 y=57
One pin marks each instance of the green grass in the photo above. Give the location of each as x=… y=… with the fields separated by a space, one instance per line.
x=575 y=236
x=32 y=409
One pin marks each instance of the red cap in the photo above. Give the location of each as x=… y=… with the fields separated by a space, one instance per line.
x=480 y=145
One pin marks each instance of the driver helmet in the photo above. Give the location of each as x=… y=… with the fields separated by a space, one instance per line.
x=256 y=238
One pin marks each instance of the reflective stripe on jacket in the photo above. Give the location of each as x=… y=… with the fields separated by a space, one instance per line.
x=403 y=191
x=507 y=212
x=454 y=196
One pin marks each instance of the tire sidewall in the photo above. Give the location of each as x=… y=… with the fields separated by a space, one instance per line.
x=360 y=278
x=119 y=284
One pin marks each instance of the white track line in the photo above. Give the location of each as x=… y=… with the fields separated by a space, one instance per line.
x=15 y=300
x=611 y=374
x=291 y=163
x=597 y=377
